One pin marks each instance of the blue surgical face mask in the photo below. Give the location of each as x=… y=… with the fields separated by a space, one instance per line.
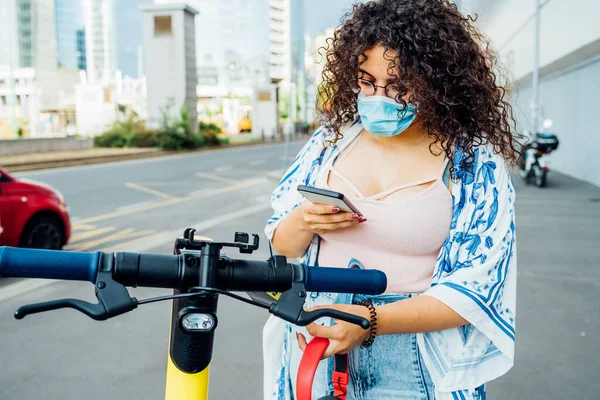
x=383 y=116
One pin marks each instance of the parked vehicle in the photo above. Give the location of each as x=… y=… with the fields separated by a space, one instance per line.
x=532 y=165
x=32 y=214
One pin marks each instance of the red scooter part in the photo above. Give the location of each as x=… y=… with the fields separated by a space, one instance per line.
x=308 y=367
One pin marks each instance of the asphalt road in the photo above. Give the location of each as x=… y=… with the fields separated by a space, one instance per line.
x=143 y=205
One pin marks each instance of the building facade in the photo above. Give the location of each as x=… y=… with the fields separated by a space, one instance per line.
x=569 y=73
x=70 y=35
x=170 y=59
x=100 y=34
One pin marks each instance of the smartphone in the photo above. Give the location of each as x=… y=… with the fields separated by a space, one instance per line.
x=323 y=196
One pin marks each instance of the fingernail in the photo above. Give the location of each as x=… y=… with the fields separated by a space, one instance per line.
x=355 y=216
x=335 y=209
x=362 y=219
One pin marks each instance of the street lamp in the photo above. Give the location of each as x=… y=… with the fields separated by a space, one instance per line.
x=536 y=69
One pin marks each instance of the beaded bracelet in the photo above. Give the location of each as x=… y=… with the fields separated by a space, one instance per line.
x=373 y=329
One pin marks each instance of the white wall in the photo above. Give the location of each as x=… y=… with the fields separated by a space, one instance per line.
x=94 y=114
x=566 y=26
x=570 y=77
x=571 y=101
x=167 y=69
x=264 y=111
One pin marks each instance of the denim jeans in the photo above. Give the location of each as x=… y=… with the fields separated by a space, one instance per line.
x=392 y=368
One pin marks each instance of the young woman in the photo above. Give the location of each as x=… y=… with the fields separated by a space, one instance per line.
x=417 y=133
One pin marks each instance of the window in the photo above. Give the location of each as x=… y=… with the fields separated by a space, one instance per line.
x=264 y=96
x=162 y=25
x=4 y=178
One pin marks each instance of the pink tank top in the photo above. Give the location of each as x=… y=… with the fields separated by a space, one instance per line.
x=402 y=236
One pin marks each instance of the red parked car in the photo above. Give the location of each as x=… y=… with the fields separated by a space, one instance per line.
x=32 y=214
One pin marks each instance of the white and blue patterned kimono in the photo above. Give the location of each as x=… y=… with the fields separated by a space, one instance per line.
x=475 y=273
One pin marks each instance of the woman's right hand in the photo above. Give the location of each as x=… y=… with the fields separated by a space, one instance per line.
x=322 y=218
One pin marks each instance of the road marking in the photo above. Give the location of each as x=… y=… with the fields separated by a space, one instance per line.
x=25 y=286
x=144 y=189
x=147 y=243
x=133 y=210
x=147 y=207
x=122 y=235
x=225 y=168
x=138 y=245
x=166 y=183
x=88 y=234
x=277 y=174
x=213 y=192
x=134 y=206
x=76 y=225
x=257 y=162
x=217 y=178
x=134 y=244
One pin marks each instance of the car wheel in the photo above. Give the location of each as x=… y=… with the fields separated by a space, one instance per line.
x=43 y=232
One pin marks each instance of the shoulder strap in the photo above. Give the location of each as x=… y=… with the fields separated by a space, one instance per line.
x=446 y=175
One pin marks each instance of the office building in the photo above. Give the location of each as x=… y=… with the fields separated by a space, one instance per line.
x=70 y=35
x=100 y=33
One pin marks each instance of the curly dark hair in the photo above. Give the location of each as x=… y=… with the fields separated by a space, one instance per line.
x=438 y=56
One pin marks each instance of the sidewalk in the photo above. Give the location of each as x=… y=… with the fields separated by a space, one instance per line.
x=55 y=159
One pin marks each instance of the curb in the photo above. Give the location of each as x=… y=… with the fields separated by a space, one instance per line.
x=50 y=164
x=82 y=161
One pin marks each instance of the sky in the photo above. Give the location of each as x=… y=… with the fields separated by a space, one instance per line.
x=318 y=16
x=128 y=20
x=322 y=14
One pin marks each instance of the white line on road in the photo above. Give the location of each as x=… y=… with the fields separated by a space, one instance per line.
x=217 y=178
x=79 y=226
x=18 y=288
x=125 y=234
x=144 y=189
x=138 y=245
x=135 y=206
x=145 y=244
x=242 y=184
x=89 y=234
x=224 y=168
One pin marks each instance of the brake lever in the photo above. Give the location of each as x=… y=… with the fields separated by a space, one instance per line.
x=113 y=298
x=290 y=306
x=95 y=311
x=306 y=317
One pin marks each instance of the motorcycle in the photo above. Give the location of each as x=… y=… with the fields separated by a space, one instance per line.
x=532 y=164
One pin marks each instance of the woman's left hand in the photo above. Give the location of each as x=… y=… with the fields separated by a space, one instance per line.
x=343 y=336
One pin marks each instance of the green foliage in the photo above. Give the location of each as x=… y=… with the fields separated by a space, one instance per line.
x=111 y=139
x=175 y=133
x=210 y=133
x=143 y=139
x=121 y=133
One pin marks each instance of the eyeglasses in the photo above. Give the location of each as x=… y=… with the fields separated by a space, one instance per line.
x=369 y=88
